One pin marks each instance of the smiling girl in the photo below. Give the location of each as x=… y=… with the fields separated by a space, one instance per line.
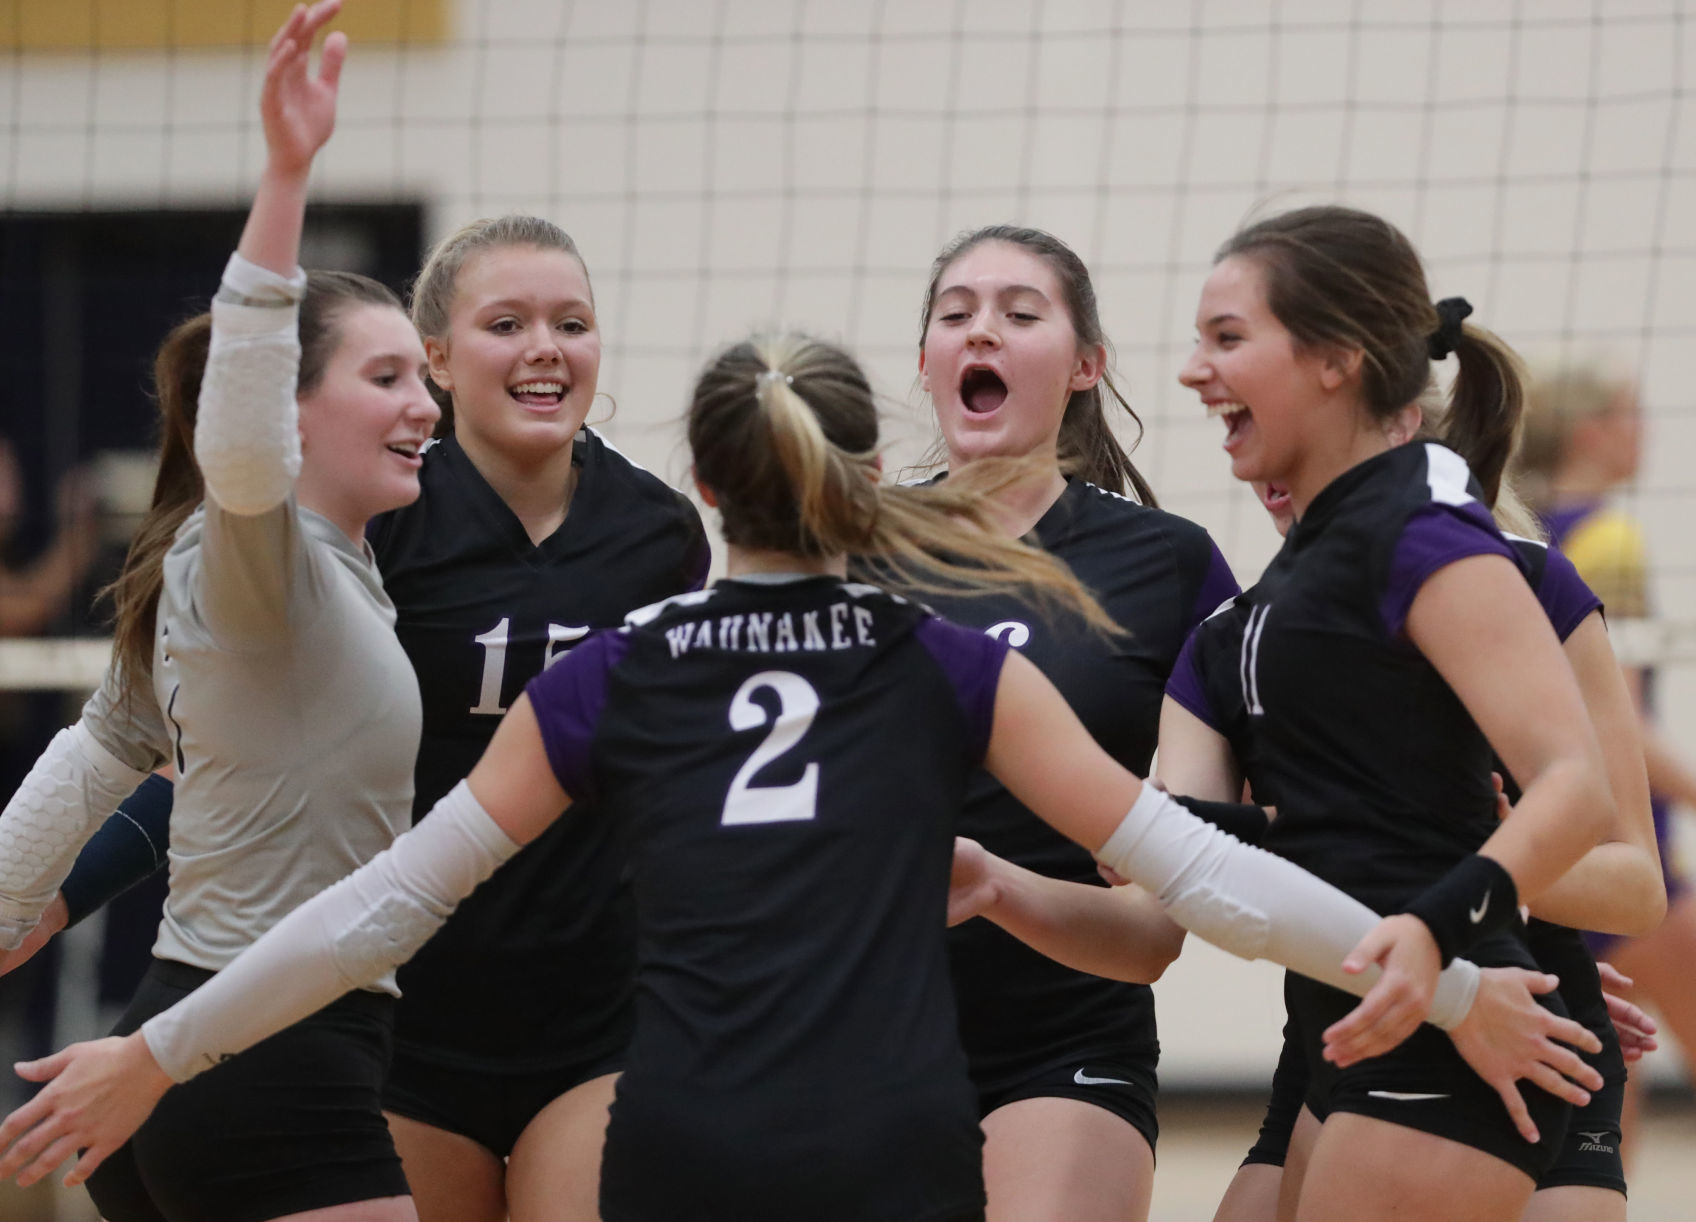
x=256 y=654
x=1388 y=648
x=532 y=531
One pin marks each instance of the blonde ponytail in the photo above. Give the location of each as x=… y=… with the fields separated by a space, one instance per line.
x=783 y=429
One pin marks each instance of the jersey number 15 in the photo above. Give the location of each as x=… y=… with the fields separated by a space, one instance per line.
x=494 y=659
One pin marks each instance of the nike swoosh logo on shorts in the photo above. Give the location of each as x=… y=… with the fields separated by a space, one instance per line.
x=1477 y=914
x=1402 y=1096
x=1083 y=1079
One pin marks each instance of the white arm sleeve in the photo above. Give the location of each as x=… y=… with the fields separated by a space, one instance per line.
x=247 y=435
x=1255 y=904
x=344 y=937
x=63 y=801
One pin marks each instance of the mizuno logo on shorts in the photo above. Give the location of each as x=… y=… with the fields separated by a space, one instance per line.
x=1083 y=1079
x=1402 y=1096
x=1593 y=1144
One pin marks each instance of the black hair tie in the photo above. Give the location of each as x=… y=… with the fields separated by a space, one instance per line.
x=1446 y=338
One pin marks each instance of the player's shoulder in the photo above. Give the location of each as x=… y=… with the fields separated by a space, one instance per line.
x=621 y=479
x=1103 y=505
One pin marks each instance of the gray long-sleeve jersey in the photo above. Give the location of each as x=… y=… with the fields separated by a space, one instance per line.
x=284 y=700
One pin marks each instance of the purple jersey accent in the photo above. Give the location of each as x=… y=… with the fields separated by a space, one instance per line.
x=1185 y=686
x=1219 y=584
x=972 y=662
x=1436 y=536
x=568 y=698
x=1564 y=596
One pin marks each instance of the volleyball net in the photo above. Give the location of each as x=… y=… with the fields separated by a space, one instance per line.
x=727 y=164
x=735 y=163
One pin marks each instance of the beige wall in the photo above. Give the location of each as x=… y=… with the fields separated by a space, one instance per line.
x=728 y=164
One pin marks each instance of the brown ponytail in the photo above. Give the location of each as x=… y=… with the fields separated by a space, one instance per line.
x=177 y=489
x=1088 y=448
x=1345 y=279
x=783 y=429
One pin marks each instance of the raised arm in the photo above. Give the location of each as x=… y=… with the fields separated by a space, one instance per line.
x=247 y=437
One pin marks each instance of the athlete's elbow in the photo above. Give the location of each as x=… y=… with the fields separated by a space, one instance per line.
x=1163 y=953
x=1647 y=907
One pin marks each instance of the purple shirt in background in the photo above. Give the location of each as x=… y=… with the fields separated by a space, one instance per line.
x=972 y=661
x=568 y=698
x=1559 y=522
x=1435 y=537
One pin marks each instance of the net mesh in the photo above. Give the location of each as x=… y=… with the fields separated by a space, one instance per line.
x=747 y=162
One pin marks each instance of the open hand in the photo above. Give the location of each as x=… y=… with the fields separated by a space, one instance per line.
x=298 y=110
x=1635 y=1029
x=1401 y=999
x=1507 y=1036
x=97 y=1095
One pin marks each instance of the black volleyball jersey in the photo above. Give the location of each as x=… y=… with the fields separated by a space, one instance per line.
x=787 y=760
x=481 y=611
x=1380 y=776
x=1157 y=575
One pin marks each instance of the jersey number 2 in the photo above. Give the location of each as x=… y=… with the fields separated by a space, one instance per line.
x=797 y=704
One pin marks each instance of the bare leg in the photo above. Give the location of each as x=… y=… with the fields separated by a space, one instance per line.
x=1252 y=1195
x=1367 y=1168
x=1063 y=1158
x=1302 y=1140
x=453 y=1178
x=1576 y=1204
x=554 y=1174
x=1659 y=963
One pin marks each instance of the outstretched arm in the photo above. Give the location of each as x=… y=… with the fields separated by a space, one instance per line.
x=348 y=935
x=1248 y=901
x=1124 y=933
x=1121 y=933
x=1236 y=896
